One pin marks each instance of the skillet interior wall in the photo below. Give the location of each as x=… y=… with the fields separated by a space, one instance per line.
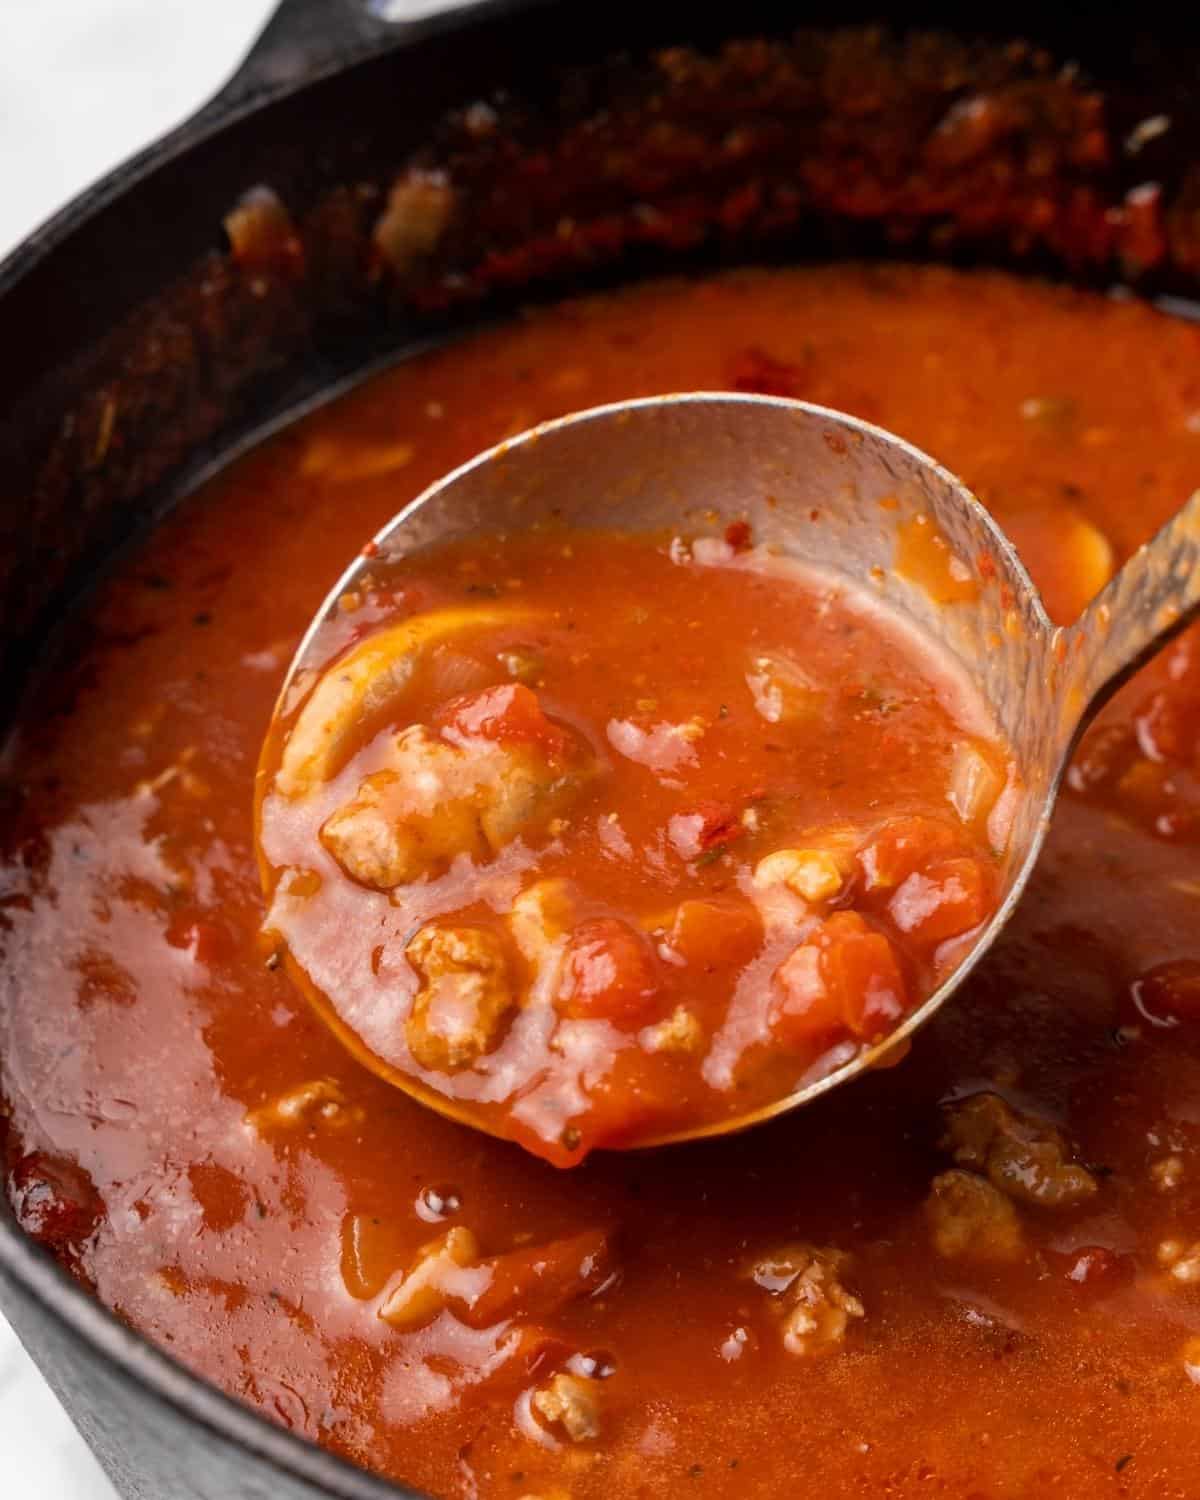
x=149 y=346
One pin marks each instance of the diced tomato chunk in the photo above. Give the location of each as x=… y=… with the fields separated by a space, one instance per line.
x=861 y=967
x=510 y=713
x=949 y=898
x=538 y=1281
x=1169 y=993
x=1095 y=1269
x=705 y=826
x=903 y=846
x=610 y=973
x=55 y=1201
x=805 y=1007
x=846 y=977
x=715 y=933
x=624 y=1104
x=739 y=535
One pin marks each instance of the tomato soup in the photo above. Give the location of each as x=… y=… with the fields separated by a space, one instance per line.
x=975 y=1274
x=638 y=834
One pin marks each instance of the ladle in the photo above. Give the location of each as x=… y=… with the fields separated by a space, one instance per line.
x=838 y=492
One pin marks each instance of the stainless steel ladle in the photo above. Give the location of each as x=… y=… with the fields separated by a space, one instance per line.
x=824 y=487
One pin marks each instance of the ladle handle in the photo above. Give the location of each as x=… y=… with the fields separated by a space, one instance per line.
x=1151 y=599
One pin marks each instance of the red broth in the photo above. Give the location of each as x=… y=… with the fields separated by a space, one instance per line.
x=974 y=1274
x=595 y=837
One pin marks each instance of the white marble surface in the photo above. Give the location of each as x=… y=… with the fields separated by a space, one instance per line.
x=83 y=83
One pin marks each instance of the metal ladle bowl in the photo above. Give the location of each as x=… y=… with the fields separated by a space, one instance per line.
x=837 y=492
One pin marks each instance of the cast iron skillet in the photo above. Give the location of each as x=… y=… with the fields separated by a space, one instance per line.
x=138 y=356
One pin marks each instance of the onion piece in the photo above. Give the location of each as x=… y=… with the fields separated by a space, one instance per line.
x=975 y=784
x=365 y=682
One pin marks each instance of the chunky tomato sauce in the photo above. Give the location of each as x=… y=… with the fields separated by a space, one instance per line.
x=595 y=837
x=976 y=1274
